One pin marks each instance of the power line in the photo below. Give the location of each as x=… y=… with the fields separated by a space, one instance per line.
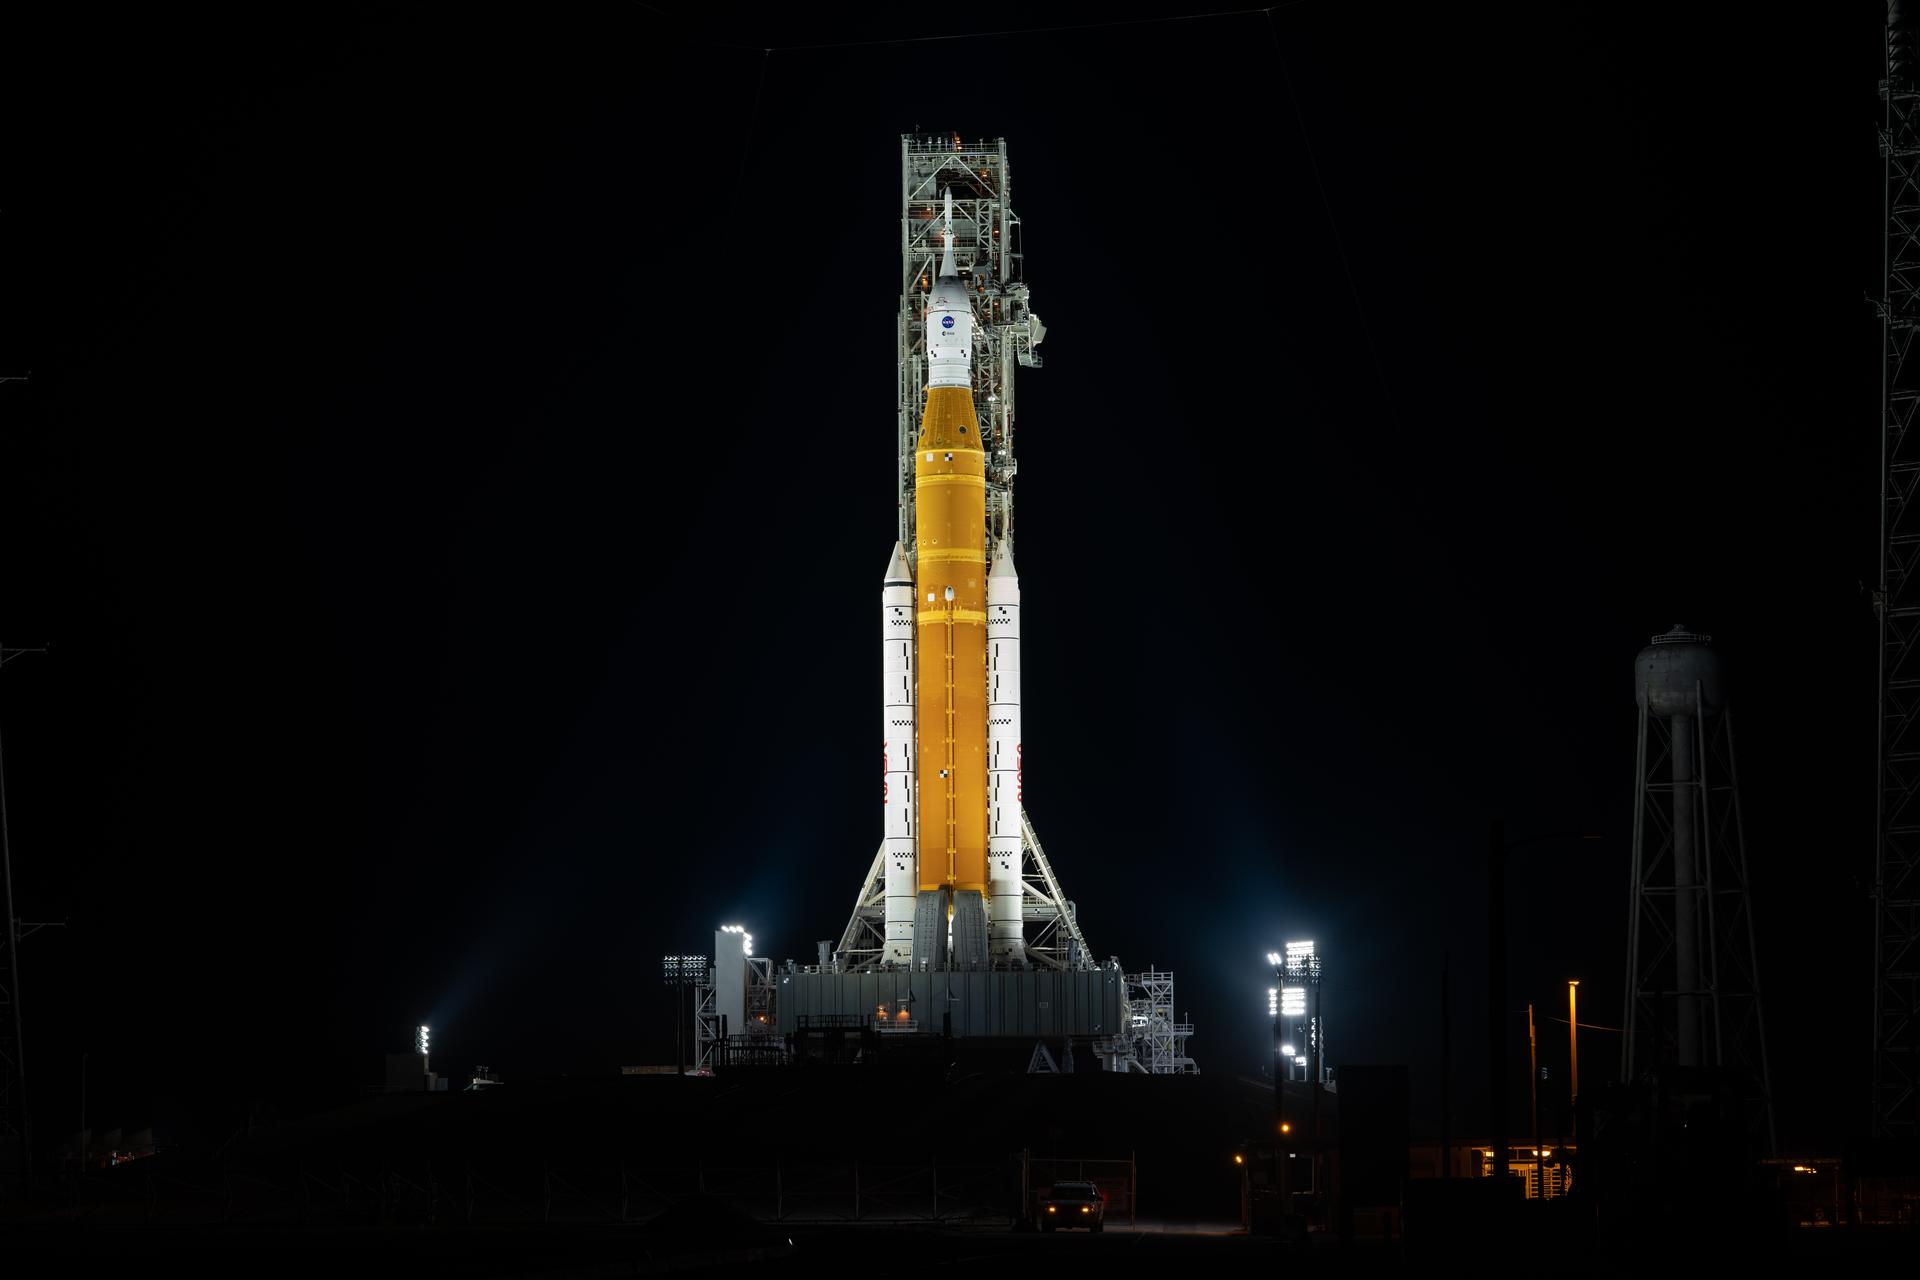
x=1585 y=1026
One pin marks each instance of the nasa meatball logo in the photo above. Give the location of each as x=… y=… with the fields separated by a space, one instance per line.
x=946 y=322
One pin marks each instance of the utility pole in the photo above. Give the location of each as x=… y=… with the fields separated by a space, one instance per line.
x=1446 y=1065
x=16 y=1120
x=1533 y=1086
x=1497 y=995
x=1497 y=850
x=1573 y=1056
x=1317 y=1028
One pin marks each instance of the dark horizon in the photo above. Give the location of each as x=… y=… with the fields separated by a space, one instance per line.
x=403 y=503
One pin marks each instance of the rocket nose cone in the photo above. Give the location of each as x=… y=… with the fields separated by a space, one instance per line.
x=1002 y=562
x=897 y=570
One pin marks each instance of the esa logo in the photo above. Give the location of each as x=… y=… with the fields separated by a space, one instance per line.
x=946 y=322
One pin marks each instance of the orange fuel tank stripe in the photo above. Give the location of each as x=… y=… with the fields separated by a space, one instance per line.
x=950 y=519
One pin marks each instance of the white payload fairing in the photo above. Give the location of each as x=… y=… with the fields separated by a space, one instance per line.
x=950 y=633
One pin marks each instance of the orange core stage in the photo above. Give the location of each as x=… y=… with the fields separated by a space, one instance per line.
x=950 y=513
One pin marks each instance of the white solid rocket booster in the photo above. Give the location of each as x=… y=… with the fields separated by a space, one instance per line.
x=897 y=763
x=1003 y=759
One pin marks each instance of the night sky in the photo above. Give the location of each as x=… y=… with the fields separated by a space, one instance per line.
x=456 y=476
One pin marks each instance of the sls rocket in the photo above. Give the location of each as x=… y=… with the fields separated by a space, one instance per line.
x=950 y=628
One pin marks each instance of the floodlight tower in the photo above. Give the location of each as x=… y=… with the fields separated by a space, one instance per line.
x=1300 y=1008
x=679 y=973
x=1294 y=1005
x=1693 y=979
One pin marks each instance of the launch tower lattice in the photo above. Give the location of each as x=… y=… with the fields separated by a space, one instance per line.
x=1896 y=601
x=986 y=248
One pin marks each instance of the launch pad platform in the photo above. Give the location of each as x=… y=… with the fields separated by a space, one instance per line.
x=1019 y=1004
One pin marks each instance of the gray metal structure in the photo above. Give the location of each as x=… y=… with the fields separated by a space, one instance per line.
x=1693 y=976
x=1896 y=602
x=986 y=248
x=716 y=1028
x=1048 y=916
x=1154 y=1040
x=1003 y=1004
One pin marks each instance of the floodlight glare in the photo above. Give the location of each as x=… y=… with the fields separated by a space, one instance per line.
x=1273 y=957
x=1299 y=950
x=1286 y=1051
x=420 y=1036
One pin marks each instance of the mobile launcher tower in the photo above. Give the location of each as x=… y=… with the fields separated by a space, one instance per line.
x=961 y=927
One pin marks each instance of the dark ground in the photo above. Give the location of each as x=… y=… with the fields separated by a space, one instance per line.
x=569 y=1252
x=582 y=1252
x=640 y=1175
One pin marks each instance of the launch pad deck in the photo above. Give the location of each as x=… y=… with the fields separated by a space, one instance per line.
x=1020 y=1003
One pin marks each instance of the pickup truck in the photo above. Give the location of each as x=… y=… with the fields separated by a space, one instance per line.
x=1073 y=1204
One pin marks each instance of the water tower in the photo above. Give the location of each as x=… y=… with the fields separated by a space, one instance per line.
x=1693 y=979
